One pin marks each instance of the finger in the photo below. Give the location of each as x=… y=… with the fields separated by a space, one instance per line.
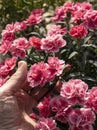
x=17 y=80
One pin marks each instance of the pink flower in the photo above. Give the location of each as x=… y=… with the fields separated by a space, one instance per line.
x=92 y=99
x=56 y=66
x=19 y=26
x=78 y=31
x=19 y=47
x=61 y=108
x=7 y=66
x=53 y=43
x=60 y=14
x=8 y=35
x=46 y=124
x=81 y=118
x=44 y=107
x=35 y=17
x=90 y=19
x=74 y=90
x=56 y=29
x=35 y=42
x=38 y=74
x=5 y=46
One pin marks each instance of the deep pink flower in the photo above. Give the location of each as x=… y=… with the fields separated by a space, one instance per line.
x=35 y=17
x=78 y=31
x=56 y=66
x=44 y=107
x=38 y=74
x=46 y=124
x=7 y=66
x=74 y=90
x=35 y=42
x=92 y=99
x=56 y=29
x=5 y=46
x=53 y=43
x=19 y=47
x=90 y=19
x=8 y=35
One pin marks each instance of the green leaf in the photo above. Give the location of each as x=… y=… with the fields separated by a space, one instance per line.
x=73 y=54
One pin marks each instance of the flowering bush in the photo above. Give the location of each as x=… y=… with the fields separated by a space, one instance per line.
x=63 y=59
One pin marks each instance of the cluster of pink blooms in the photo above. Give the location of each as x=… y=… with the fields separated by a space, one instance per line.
x=41 y=73
x=76 y=105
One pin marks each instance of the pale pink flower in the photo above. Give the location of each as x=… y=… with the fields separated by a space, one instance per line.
x=74 y=90
x=10 y=27
x=53 y=43
x=19 y=47
x=20 y=26
x=90 y=19
x=56 y=66
x=35 y=17
x=7 y=66
x=38 y=74
x=92 y=99
x=56 y=29
x=81 y=118
x=78 y=31
x=46 y=124
x=44 y=107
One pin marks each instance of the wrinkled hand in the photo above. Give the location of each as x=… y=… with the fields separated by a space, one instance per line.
x=15 y=103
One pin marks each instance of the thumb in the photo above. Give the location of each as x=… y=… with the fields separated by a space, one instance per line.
x=17 y=79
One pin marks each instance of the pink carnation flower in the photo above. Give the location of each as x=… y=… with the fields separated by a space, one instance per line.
x=56 y=66
x=5 y=47
x=38 y=74
x=35 y=17
x=44 y=107
x=20 y=26
x=7 y=66
x=46 y=124
x=90 y=19
x=78 y=31
x=53 y=43
x=56 y=29
x=35 y=42
x=74 y=90
x=82 y=118
x=92 y=99
x=19 y=47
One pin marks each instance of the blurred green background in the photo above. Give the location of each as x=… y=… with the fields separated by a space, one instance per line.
x=17 y=10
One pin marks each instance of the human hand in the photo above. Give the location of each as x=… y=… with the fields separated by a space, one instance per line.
x=15 y=103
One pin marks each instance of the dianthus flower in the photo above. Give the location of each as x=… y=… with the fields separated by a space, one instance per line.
x=35 y=17
x=19 y=47
x=53 y=43
x=7 y=66
x=56 y=29
x=92 y=99
x=56 y=66
x=35 y=42
x=75 y=91
x=59 y=105
x=78 y=31
x=46 y=124
x=44 y=107
x=81 y=119
x=90 y=19
x=38 y=74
